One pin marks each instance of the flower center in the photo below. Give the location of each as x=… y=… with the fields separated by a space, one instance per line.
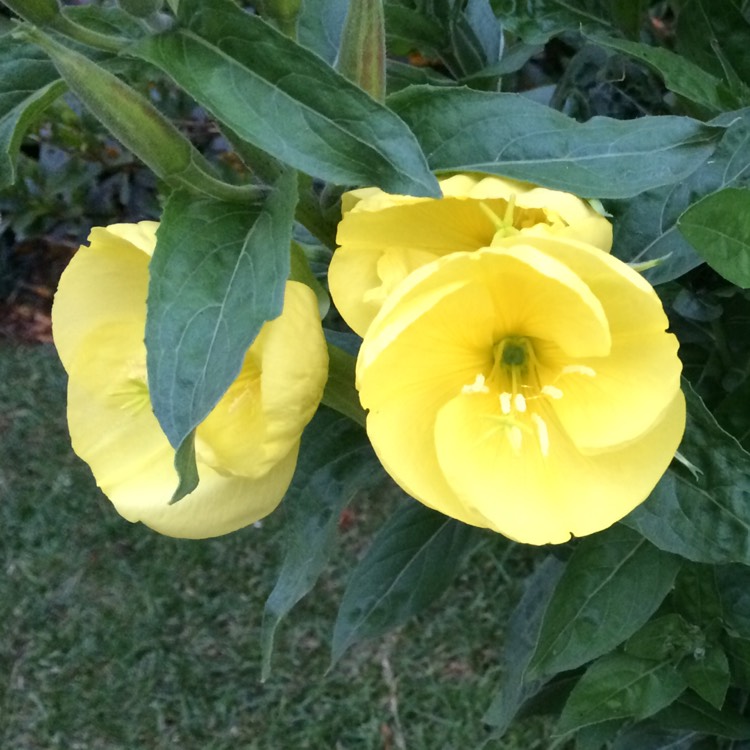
x=504 y=227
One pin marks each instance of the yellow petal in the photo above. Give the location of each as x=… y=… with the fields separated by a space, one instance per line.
x=104 y=283
x=263 y=413
x=409 y=231
x=641 y=374
x=537 y=498
x=141 y=235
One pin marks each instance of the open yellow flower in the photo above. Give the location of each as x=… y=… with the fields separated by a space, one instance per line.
x=384 y=237
x=529 y=387
x=246 y=448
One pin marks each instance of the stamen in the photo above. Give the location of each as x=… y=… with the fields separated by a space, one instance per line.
x=520 y=402
x=542 y=433
x=515 y=436
x=509 y=211
x=505 y=402
x=578 y=370
x=552 y=391
x=478 y=386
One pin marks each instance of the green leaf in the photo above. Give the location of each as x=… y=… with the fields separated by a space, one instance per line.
x=620 y=686
x=335 y=463
x=536 y=21
x=718 y=227
x=29 y=83
x=521 y=640
x=614 y=582
x=648 y=735
x=284 y=99
x=509 y=135
x=696 y=594
x=411 y=561
x=319 y=26
x=646 y=227
x=665 y=638
x=707 y=672
x=738 y=653
x=734 y=589
x=714 y=35
x=705 y=518
x=218 y=273
x=692 y=713
x=680 y=75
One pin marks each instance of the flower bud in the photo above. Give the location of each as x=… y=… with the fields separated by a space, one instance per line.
x=141 y=8
x=362 y=53
x=135 y=122
x=40 y=12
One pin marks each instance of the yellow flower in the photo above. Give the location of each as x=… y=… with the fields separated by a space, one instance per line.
x=384 y=237
x=529 y=387
x=246 y=448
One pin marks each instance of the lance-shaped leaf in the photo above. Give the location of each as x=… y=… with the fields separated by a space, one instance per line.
x=521 y=641
x=509 y=135
x=29 y=82
x=718 y=227
x=645 y=227
x=620 y=686
x=680 y=75
x=613 y=583
x=692 y=713
x=335 y=462
x=217 y=275
x=284 y=99
x=412 y=560
x=702 y=512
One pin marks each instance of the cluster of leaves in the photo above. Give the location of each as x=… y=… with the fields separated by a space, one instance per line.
x=636 y=637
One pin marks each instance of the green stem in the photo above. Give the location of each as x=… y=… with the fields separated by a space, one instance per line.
x=309 y=214
x=340 y=393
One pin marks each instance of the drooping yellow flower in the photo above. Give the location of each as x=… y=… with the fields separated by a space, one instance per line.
x=384 y=237
x=246 y=448
x=529 y=387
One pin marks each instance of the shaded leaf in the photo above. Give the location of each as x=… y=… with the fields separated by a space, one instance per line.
x=507 y=134
x=29 y=83
x=680 y=75
x=696 y=594
x=648 y=735
x=536 y=21
x=733 y=582
x=620 y=686
x=718 y=227
x=714 y=35
x=665 y=638
x=285 y=100
x=520 y=643
x=613 y=583
x=411 y=561
x=703 y=517
x=738 y=654
x=645 y=227
x=218 y=273
x=335 y=463
x=707 y=673
x=692 y=713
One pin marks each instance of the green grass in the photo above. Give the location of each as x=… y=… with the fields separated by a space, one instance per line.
x=114 y=637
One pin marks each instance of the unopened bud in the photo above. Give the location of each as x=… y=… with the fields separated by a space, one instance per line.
x=141 y=8
x=362 y=52
x=135 y=122
x=39 y=12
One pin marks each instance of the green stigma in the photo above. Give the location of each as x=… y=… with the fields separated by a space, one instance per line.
x=513 y=354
